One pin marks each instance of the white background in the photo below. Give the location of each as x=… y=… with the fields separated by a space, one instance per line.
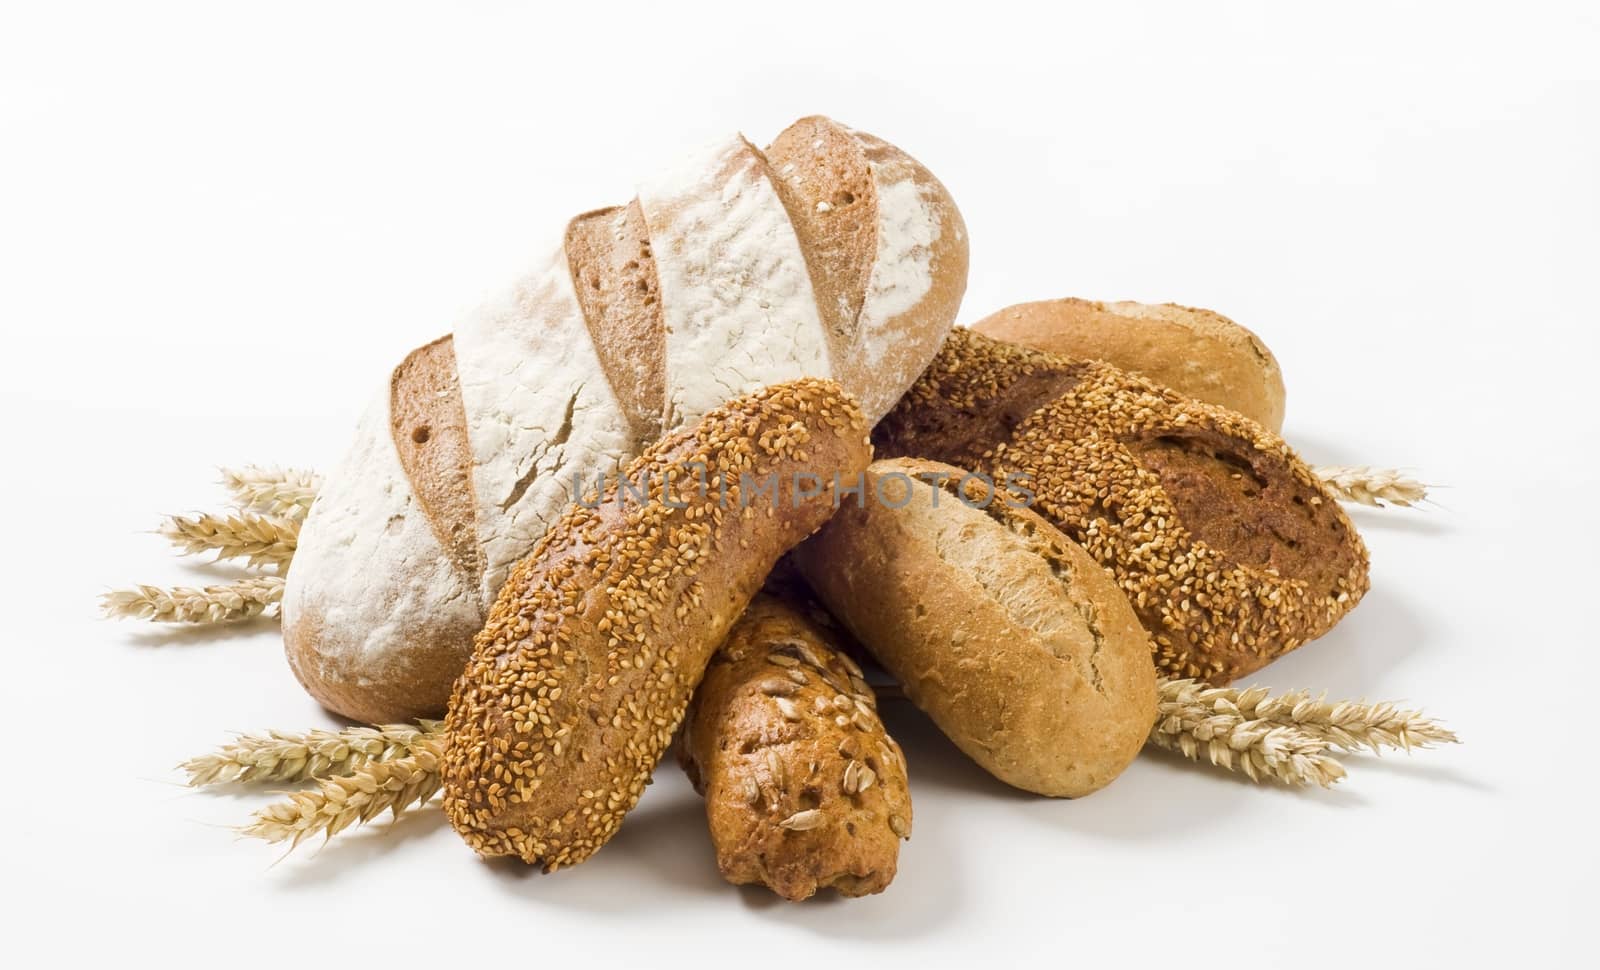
x=220 y=226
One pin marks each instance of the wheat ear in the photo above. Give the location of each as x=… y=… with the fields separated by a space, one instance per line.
x=259 y=539
x=356 y=798
x=284 y=492
x=1260 y=749
x=1371 y=486
x=280 y=756
x=224 y=603
x=1347 y=725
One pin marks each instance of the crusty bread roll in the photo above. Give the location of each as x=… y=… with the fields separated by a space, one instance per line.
x=832 y=254
x=1195 y=352
x=594 y=644
x=1230 y=548
x=804 y=788
x=1015 y=642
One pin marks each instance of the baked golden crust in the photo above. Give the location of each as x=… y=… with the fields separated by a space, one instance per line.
x=804 y=788
x=429 y=425
x=596 y=641
x=845 y=192
x=614 y=279
x=1198 y=353
x=1230 y=549
x=1012 y=639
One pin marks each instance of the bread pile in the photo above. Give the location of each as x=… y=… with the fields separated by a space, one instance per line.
x=554 y=523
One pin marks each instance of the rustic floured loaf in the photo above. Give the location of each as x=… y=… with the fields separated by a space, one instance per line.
x=1195 y=352
x=804 y=788
x=1230 y=549
x=832 y=254
x=592 y=648
x=1016 y=643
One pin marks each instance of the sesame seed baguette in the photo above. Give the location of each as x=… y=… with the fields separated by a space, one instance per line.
x=1010 y=637
x=832 y=255
x=804 y=788
x=1198 y=353
x=597 y=640
x=1230 y=548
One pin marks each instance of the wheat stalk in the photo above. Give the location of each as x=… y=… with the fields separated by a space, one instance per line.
x=309 y=756
x=224 y=603
x=260 y=539
x=1371 y=486
x=284 y=492
x=356 y=798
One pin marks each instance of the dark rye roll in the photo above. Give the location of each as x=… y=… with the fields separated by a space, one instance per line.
x=1230 y=549
x=804 y=788
x=595 y=643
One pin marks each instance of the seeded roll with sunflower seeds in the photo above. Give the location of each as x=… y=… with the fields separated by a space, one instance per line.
x=1231 y=550
x=804 y=788
x=597 y=640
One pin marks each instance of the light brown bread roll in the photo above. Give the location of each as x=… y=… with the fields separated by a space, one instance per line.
x=1229 y=547
x=1015 y=642
x=832 y=254
x=1197 y=353
x=590 y=653
x=804 y=788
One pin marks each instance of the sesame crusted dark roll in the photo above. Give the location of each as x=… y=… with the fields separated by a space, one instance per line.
x=804 y=788
x=598 y=637
x=1230 y=549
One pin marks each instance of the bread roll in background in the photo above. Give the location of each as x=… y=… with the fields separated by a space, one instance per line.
x=1016 y=643
x=804 y=788
x=831 y=255
x=1230 y=548
x=1198 y=353
x=584 y=669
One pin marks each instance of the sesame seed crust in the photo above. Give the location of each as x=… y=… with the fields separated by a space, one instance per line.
x=598 y=638
x=795 y=801
x=1230 y=549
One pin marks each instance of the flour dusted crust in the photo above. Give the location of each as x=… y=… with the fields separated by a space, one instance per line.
x=643 y=318
x=804 y=788
x=1015 y=642
x=374 y=576
x=540 y=413
x=887 y=249
x=1196 y=352
x=736 y=297
x=1229 y=547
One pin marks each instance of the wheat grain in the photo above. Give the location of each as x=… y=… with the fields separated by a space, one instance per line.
x=224 y=603
x=1371 y=486
x=259 y=539
x=285 y=492
x=356 y=798
x=280 y=756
